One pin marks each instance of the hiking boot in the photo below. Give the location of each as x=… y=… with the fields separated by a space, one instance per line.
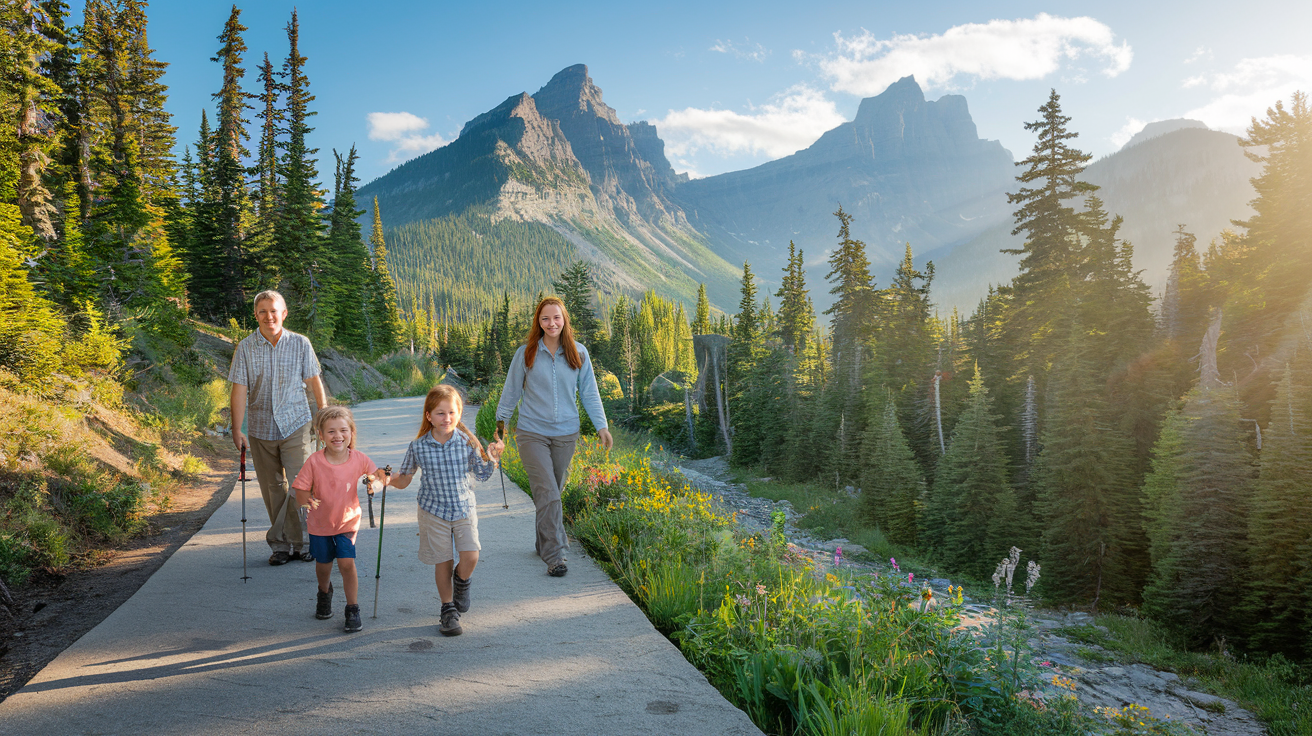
x=324 y=607
x=279 y=557
x=353 y=618
x=557 y=570
x=461 y=597
x=450 y=620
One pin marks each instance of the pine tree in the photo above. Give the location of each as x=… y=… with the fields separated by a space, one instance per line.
x=702 y=324
x=904 y=357
x=743 y=353
x=384 y=315
x=350 y=266
x=840 y=419
x=1280 y=525
x=575 y=287
x=892 y=488
x=1198 y=517
x=969 y=518
x=1084 y=495
x=31 y=94
x=234 y=213
x=796 y=314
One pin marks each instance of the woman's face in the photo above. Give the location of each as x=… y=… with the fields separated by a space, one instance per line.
x=552 y=320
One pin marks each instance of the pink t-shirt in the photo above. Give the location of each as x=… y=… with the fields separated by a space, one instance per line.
x=335 y=487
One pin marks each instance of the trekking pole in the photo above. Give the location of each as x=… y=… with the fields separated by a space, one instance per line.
x=369 y=490
x=382 y=512
x=501 y=434
x=242 y=475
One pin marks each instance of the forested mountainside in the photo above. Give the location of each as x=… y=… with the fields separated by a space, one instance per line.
x=561 y=162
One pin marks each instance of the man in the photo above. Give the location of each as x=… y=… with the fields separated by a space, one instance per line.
x=270 y=370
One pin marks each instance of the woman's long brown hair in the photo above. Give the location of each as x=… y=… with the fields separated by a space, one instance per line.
x=535 y=334
x=436 y=395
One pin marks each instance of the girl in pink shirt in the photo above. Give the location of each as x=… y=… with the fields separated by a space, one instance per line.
x=327 y=486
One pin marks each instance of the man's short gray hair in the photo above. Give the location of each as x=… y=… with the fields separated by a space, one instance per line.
x=269 y=294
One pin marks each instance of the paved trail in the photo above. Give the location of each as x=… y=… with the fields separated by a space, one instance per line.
x=197 y=651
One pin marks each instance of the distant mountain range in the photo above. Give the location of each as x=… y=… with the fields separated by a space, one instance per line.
x=561 y=164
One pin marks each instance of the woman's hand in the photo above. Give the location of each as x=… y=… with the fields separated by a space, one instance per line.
x=495 y=449
x=606 y=440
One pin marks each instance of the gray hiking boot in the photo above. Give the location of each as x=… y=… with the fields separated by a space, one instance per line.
x=353 y=618
x=461 y=597
x=450 y=620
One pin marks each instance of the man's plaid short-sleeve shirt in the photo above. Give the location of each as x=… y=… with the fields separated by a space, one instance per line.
x=274 y=376
x=444 y=488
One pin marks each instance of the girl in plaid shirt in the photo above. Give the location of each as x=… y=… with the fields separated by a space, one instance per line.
x=448 y=511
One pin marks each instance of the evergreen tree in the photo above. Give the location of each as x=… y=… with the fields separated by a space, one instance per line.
x=575 y=287
x=743 y=353
x=351 y=275
x=892 y=488
x=969 y=517
x=299 y=249
x=840 y=419
x=1199 y=517
x=796 y=314
x=32 y=95
x=1084 y=492
x=234 y=212
x=385 y=317
x=1280 y=525
x=702 y=324
x=905 y=355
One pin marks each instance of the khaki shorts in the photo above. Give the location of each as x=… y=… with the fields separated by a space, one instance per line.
x=437 y=534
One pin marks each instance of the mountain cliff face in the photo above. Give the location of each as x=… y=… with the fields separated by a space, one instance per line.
x=906 y=169
x=562 y=158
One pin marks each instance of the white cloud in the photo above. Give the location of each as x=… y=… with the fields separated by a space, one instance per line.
x=1249 y=89
x=1028 y=48
x=1202 y=52
x=405 y=131
x=793 y=120
x=747 y=50
x=1128 y=131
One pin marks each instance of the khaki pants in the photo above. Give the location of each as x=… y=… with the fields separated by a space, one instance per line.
x=546 y=460
x=276 y=464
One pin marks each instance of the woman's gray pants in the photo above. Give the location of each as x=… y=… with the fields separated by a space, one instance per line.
x=546 y=460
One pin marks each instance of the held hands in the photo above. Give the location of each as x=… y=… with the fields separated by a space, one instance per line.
x=371 y=482
x=495 y=449
x=312 y=504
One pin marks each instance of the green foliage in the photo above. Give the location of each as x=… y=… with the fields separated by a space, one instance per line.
x=970 y=516
x=892 y=488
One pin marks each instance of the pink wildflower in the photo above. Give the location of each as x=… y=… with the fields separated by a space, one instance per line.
x=911 y=577
x=838 y=556
x=893 y=562
x=760 y=590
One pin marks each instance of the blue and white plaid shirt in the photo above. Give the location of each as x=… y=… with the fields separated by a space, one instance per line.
x=444 y=489
x=274 y=376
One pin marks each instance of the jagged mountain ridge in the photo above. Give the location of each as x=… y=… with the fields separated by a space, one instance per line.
x=561 y=158
x=906 y=169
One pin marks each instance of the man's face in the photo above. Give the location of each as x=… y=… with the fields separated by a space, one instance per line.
x=270 y=313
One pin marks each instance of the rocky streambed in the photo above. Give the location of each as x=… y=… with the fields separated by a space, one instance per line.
x=1098 y=678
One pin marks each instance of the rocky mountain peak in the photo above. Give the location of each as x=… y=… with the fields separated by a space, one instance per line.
x=571 y=92
x=1162 y=127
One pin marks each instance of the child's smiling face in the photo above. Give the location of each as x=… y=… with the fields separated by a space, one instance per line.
x=443 y=417
x=337 y=434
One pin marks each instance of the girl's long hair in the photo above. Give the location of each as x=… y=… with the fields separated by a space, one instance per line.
x=535 y=334
x=436 y=395
x=334 y=412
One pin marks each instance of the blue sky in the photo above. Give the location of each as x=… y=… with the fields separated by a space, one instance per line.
x=732 y=85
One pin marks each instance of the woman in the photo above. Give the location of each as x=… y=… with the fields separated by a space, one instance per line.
x=547 y=372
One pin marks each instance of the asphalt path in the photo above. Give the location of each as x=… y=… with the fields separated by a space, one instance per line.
x=197 y=650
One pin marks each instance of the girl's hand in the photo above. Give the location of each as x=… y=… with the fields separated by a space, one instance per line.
x=313 y=503
x=495 y=449
x=371 y=483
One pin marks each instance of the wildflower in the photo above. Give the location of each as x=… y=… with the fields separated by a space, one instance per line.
x=832 y=579
x=911 y=577
x=743 y=601
x=927 y=594
x=760 y=589
x=893 y=561
x=1031 y=576
x=838 y=556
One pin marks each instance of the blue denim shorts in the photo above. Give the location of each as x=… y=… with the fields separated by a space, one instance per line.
x=326 y=549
